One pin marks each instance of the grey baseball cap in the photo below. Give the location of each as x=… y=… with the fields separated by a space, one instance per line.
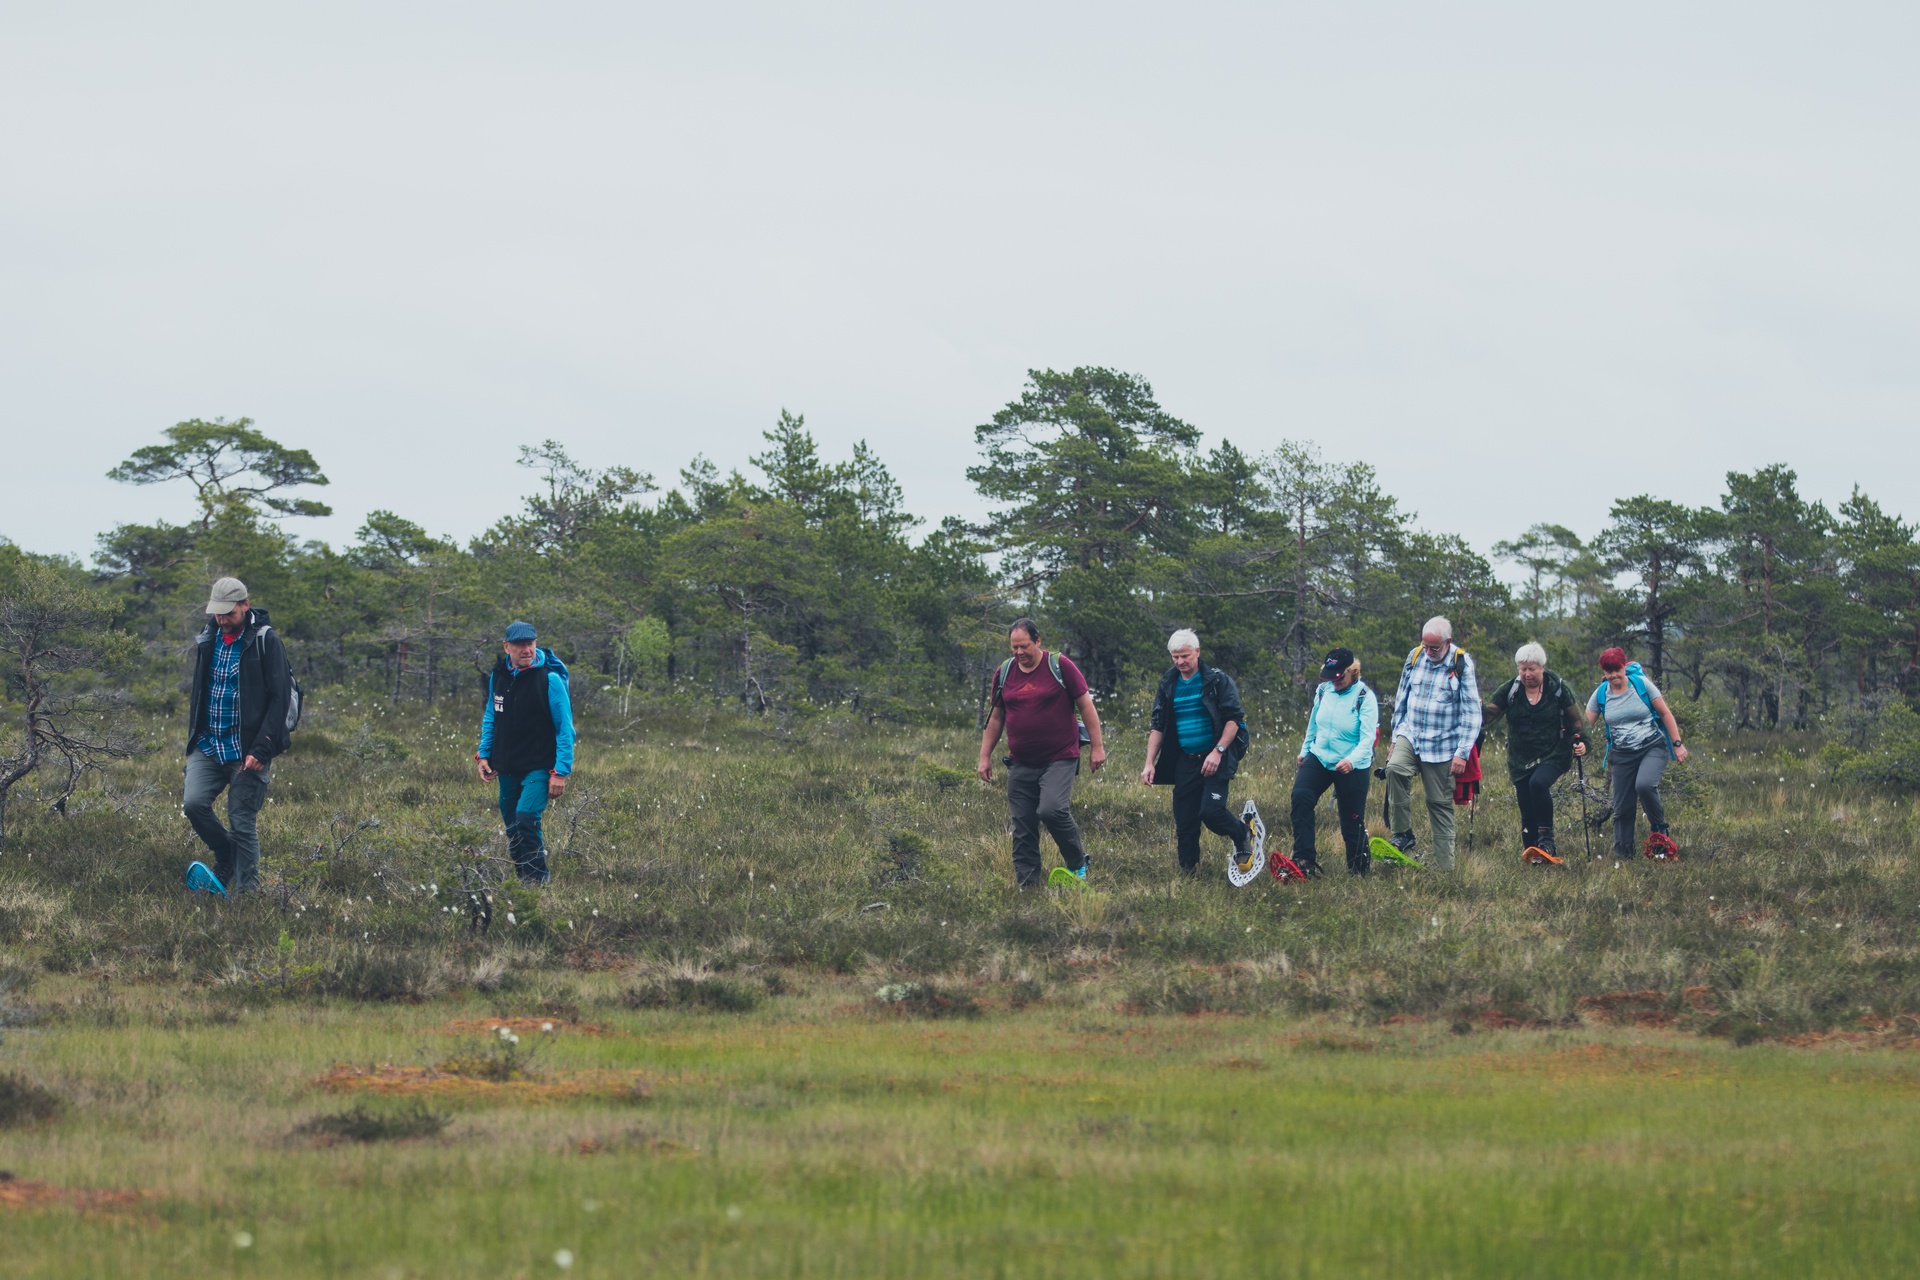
x=226 y=594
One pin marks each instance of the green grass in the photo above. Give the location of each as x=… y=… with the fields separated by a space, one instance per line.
x=1408 y=1074
x=821 y=1141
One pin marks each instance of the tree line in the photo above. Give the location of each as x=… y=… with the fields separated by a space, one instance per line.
x=800 y=583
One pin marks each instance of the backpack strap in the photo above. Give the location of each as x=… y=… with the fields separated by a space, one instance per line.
x=1000 y=680
x=1053 y=665
x=1639 y=683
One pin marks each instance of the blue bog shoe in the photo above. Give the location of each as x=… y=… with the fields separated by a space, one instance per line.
x=200 y=877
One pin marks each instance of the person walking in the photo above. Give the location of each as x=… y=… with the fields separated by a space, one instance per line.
x=1035 y=695
x=1543 y=736
x=526 y=743
x=1436 y=721
x=1642 y=736
x=237 y=722
x=1337 y=752
x=1197 y=710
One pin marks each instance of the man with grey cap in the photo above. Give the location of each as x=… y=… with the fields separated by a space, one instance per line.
x=526 y=742
x=237 y=722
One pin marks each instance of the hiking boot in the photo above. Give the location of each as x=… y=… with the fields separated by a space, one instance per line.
x=1403 y=841
x=1359 y=863
x=1543 y=840
x=1243 y=853
x=1081 y=870
x=1310 y=866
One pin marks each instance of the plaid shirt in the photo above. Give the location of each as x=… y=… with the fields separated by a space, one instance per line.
x=222 y=738
x=1434 y=711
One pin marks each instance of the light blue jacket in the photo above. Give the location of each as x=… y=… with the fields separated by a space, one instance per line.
x=1342 y=725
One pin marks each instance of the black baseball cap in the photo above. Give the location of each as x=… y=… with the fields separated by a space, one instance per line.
x=1338 y=660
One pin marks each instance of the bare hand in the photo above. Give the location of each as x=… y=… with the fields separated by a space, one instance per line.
x=1099 y=757
x=1680 y=752
x=1345 y=766
x=1211 y=764
x=555 y=785
x=1579 y=748
x=252 y=764
x=1458 y=766
x=986 y=769
x=1146 y=775
x=486 y=772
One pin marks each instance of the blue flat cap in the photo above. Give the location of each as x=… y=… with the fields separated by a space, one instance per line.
x=519 y=632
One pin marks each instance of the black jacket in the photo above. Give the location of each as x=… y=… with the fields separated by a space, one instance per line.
x=1221 y=697
x=265 y=688
x=1543 y=733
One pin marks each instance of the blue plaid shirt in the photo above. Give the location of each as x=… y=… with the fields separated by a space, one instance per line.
x=222 y=738
x=1435 y=711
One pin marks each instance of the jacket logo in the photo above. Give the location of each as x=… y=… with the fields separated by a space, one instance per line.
x=499 y=704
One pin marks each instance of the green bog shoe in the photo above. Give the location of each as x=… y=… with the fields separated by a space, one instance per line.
x=1381 y=847
x=1060 y=875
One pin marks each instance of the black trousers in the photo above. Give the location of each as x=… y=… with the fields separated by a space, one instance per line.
x=1534 y=790
x=1199 y=800
x=1349 y=795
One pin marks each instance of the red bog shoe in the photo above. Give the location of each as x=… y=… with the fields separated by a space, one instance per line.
x=1284 y=868
x=1661 y=848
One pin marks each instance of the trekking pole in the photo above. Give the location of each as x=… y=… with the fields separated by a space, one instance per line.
x=1586 y=828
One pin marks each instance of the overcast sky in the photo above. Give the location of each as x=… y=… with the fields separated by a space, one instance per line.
x=1625 y=247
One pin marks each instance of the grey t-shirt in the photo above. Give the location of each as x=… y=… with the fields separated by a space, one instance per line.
x=1631 y=723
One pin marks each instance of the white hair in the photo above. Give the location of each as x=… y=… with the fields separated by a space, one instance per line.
x=1184 y=638
x=1531 y=651
x=1438 y=626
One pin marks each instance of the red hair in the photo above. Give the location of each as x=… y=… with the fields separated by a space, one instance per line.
x=1614 y=659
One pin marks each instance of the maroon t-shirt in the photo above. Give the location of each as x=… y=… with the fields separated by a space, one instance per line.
x=1041 y=727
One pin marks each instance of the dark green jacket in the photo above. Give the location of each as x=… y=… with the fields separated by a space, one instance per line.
x=1538 y=733
x=1221 y=698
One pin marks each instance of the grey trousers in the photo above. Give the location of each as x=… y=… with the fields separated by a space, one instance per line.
x=1436 y=780
x=1040 y=797
x=236 y=851
x=1635 y=775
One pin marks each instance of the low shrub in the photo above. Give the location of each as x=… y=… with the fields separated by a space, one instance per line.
x=23 y=1102
x=709 y=992
x=926 y=1000
x=362 y=1125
